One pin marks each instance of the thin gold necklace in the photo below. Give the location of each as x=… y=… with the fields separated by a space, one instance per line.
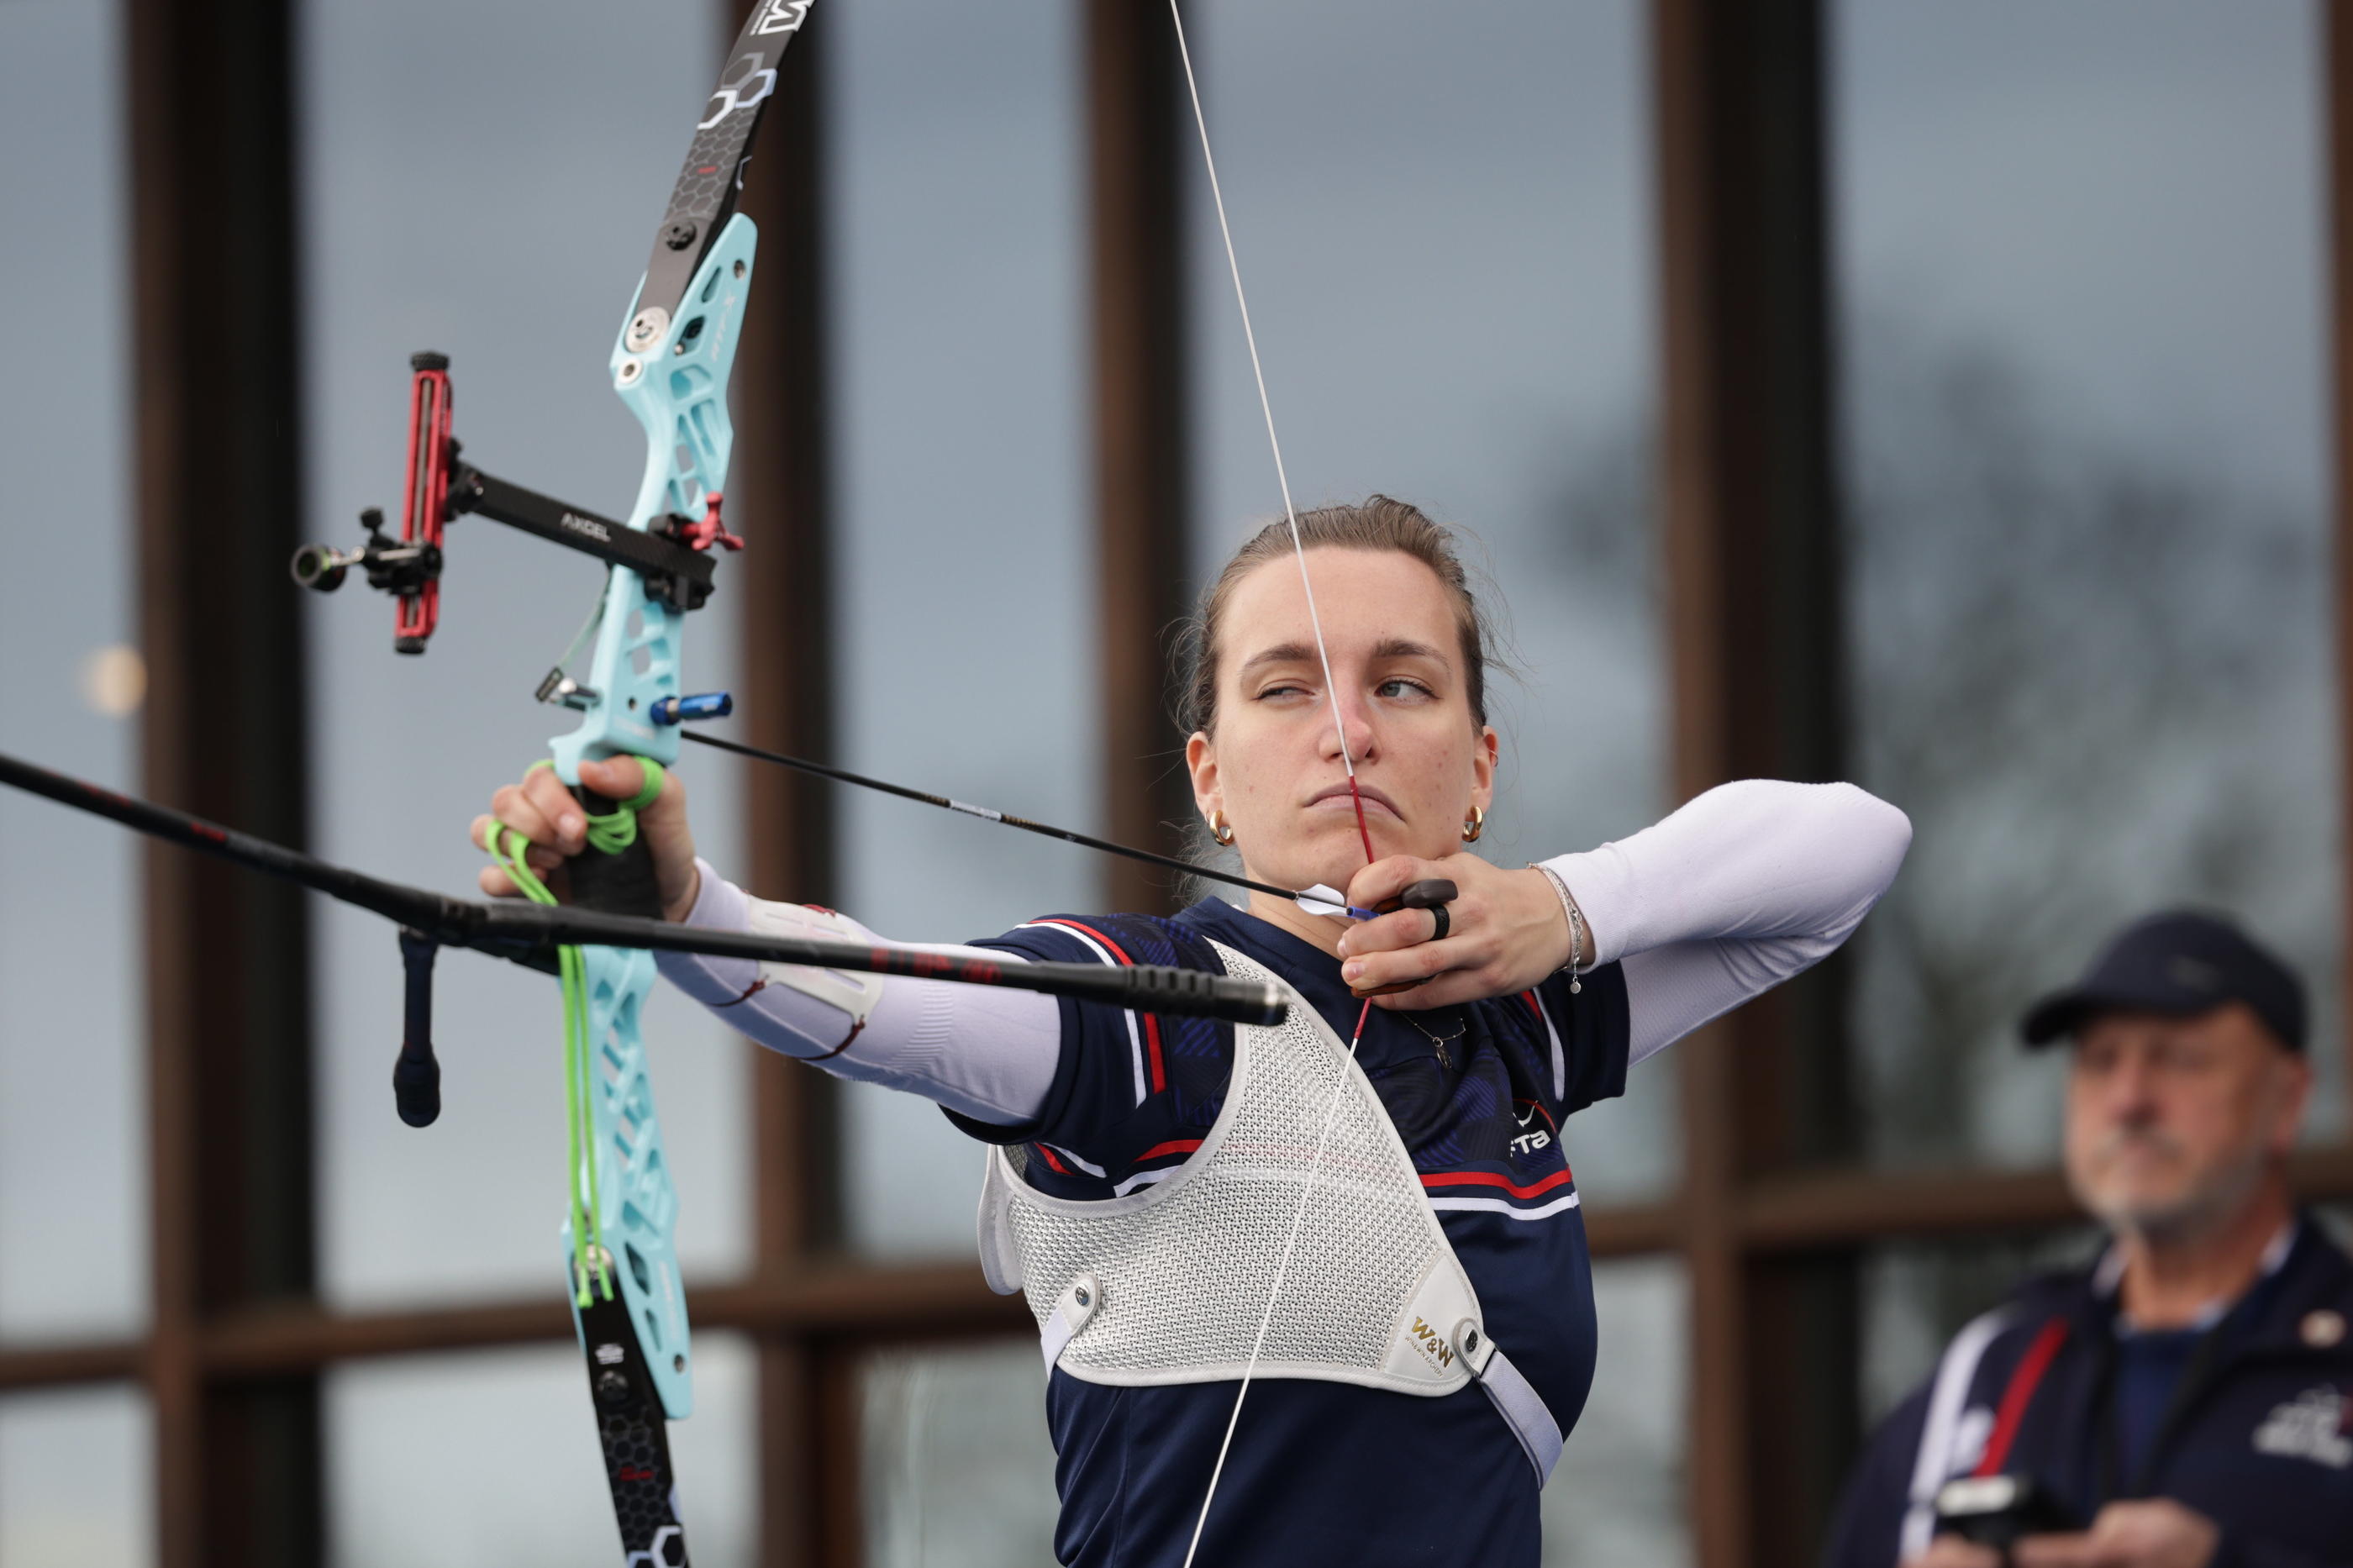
x=1438 y=1042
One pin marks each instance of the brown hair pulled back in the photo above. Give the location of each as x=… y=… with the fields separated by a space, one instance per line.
x=1375 y=524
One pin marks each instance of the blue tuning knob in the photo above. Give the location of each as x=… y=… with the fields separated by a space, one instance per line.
x=707 y=705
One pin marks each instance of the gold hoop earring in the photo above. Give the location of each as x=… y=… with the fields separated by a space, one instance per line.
x=1219 y=828
x=1473 y=825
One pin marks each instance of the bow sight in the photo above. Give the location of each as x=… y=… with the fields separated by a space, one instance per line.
x=670 y=553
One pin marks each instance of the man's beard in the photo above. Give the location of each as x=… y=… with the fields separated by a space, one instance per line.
x=2208 y=1202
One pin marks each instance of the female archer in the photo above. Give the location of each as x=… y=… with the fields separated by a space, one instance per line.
x=1362 y=1218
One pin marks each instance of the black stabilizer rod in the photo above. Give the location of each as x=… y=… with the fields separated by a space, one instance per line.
x=510 y=929
x=430 y=914
x=529 y=935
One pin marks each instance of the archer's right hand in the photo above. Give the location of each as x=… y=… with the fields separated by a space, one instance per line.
x=541 y=809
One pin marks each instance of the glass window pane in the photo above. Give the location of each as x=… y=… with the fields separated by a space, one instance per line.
x=959 y=1472
x=1444 y=234
x=507 y=228
x=495 y=1454
x=73 y=1183
x=75 y=1472
x=966 y=538
x=2081 y=252
x=1619 y=1495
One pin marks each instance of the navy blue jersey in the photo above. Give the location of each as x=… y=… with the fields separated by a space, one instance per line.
x=1479 y=1094
x=2255 y=1431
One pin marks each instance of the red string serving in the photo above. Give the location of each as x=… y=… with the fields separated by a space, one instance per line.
x=1356 y=799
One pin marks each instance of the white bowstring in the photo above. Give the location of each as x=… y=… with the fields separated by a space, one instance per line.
x=1266 y=405
x=1340 y=728
x=1266 y=1319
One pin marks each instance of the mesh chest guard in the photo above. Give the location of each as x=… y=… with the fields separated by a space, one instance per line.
x=1168 y=1284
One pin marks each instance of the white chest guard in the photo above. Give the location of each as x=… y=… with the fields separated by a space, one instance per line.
x=1169 y=1284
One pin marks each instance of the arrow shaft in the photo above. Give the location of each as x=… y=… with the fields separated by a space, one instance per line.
x=989 y=814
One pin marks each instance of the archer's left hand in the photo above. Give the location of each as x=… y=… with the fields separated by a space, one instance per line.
x=1505 y=932
x=2156 y=1533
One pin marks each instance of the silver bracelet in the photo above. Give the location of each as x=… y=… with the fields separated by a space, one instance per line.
x=1576 y=922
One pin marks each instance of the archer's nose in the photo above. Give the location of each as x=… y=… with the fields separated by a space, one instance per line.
x=1358 y=730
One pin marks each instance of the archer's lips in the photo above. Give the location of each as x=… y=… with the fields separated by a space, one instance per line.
x=1372 y=798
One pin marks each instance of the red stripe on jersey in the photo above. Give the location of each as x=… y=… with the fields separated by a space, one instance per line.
x=1176 y=1146
x=1490 y=1179
x=2020 y=1395
x=1057 y=1164
x=1151 y=1021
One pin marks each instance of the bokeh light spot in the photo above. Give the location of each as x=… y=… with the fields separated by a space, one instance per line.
x=114 y=681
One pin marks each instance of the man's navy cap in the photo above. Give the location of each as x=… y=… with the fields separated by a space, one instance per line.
x=2183 y=962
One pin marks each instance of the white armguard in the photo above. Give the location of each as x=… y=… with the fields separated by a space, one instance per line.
x=852 y=992
x=982 y=1052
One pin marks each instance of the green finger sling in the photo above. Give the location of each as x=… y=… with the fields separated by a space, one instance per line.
x=609 y=834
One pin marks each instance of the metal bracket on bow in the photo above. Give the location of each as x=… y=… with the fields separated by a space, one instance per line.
x=670 y=553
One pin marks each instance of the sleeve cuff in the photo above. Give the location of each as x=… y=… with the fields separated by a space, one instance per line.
x=720 y=905
x=1602 y=882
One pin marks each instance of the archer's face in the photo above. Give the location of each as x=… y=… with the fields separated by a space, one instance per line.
x=1275 y=767
x=2170 y=1120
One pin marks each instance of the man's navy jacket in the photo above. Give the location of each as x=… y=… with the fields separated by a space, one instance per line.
x=2259 y=1435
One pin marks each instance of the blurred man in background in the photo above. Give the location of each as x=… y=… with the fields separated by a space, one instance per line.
x=2188 y=1402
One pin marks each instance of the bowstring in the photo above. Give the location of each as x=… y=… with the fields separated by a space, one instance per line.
x=1347 y=762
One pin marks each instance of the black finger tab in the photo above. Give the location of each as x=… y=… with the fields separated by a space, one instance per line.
x=1428 y=894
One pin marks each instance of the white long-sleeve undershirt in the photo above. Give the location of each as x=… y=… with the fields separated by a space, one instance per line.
x=1741 y=889
x=987 y=1051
